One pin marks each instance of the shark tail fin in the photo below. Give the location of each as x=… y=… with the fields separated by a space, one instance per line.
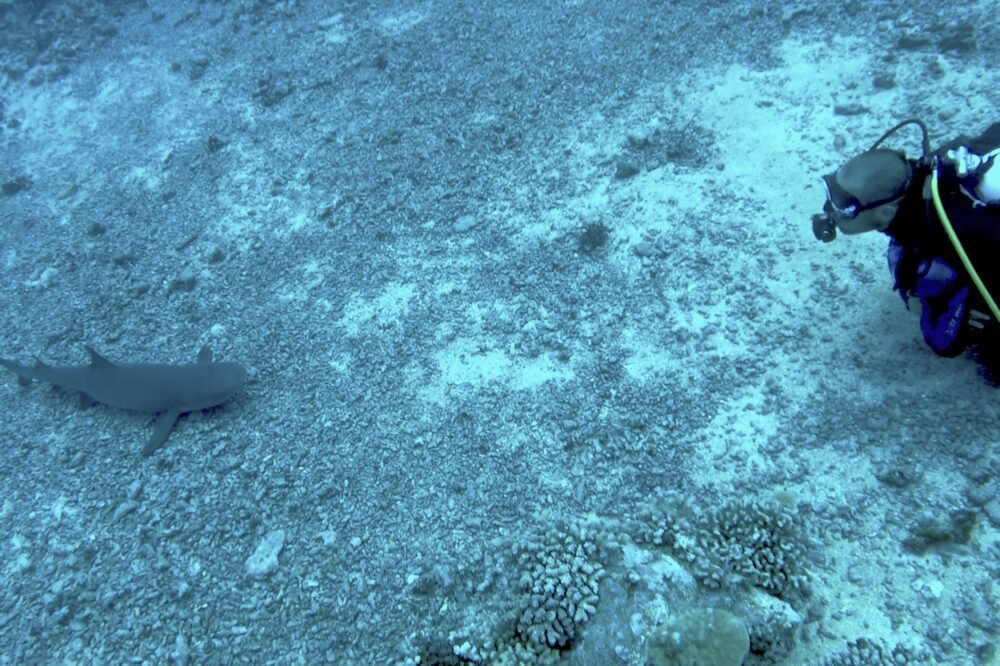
x=23 y=372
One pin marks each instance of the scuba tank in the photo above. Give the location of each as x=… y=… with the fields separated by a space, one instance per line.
x=978 y=174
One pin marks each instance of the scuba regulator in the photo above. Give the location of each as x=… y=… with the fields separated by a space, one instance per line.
x=824 y=228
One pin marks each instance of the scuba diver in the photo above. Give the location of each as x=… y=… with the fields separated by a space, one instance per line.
x=942 y=215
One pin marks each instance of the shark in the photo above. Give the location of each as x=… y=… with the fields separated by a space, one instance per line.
x=153 y=388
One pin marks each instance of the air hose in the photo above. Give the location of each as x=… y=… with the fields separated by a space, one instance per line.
x=957 y=244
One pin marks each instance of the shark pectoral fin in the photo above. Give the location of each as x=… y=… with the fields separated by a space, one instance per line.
x=205 y=355
x=86 y=400
x=164 y=422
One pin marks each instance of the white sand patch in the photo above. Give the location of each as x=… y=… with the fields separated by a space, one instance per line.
x=312 y=274
x=385 y=309
x=467 y=365
x=400 y=23
x=333 y=29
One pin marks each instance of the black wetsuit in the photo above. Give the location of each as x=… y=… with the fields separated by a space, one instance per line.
x=918 y=239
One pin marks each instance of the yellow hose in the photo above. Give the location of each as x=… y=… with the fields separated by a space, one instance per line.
x=957 y=244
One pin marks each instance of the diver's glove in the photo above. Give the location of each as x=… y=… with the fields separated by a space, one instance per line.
x=945 y=323
x=943 y=296
x=944 y=316
x=935 y=278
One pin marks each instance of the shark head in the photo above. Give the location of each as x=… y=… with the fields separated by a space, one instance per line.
x=218 y=382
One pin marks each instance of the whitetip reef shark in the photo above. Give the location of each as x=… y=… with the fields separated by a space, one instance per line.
x=153 y=388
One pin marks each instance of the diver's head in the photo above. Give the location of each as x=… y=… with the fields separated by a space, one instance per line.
x=865 y=193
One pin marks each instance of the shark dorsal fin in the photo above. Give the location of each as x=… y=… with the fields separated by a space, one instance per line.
x=205 y=355
x=98 y=361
